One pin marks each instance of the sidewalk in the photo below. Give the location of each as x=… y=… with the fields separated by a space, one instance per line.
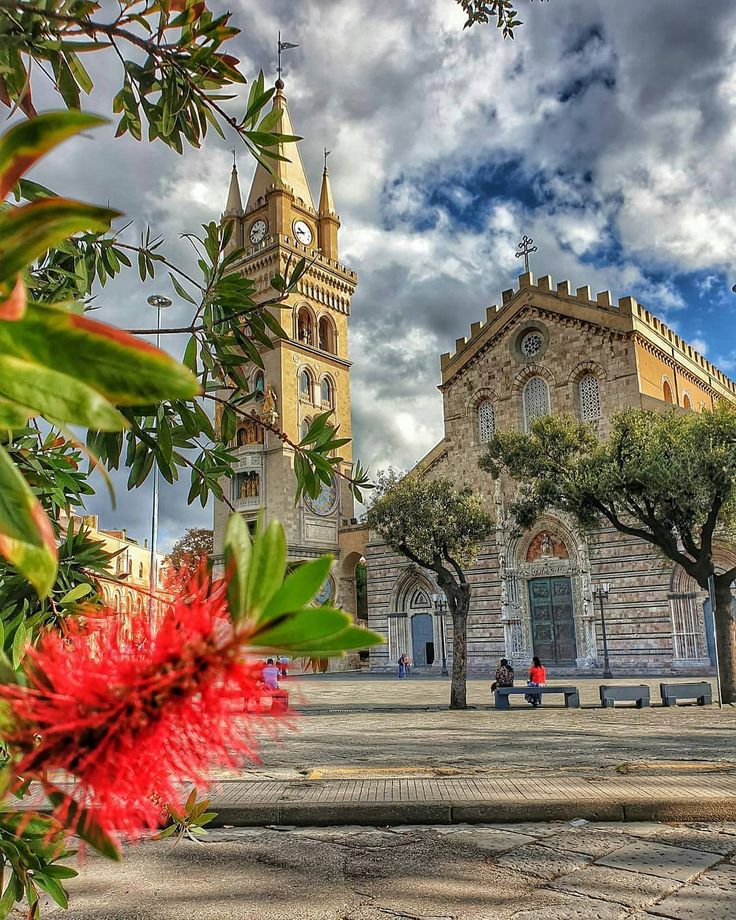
x=371 y=799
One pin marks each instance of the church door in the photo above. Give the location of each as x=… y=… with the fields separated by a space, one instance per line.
x=422 y=639
x=553 y=623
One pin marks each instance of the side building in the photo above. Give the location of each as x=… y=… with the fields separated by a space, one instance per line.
x=545 y=350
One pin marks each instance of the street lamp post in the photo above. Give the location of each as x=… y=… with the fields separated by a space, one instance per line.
x=440 y=606
x=160 y=303
x=600 y=592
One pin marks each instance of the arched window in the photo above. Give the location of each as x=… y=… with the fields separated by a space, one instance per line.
x=486 y=421
x=259 y=383
x=305 y=326
x=305 y=384
x=590 y=399
x=140 y=570
x=667 y=391
x=327 y=393
x=535 y=398
x=327 y=335
x=686 y=401
x=304 y=428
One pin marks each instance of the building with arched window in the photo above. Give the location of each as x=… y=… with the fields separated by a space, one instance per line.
x=544 y=350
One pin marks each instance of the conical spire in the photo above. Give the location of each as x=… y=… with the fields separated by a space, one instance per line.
x=290 y=172
x=234 y=206
x=326 y=201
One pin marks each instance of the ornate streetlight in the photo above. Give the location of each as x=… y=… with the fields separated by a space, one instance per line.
x=600 y=593
x=440 y=606
x=160 y=303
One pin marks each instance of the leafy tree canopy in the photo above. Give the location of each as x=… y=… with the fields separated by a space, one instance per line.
x=191 y=549
x=429 y=520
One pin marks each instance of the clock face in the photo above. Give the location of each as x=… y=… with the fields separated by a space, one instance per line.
x=303 y=232
x=258 y=231
x=325 y=503
x=324 y=593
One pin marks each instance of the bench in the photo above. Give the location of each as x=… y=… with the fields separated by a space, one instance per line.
x=502 y=694
x=274 y=701
x=610 y=695
x=700 y=692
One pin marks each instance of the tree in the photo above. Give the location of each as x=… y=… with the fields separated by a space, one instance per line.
x=440 y=528
x=483 y=11
x=194 y=548
x=669 y=479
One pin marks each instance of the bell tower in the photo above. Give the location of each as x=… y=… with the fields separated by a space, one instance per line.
x=308 y=372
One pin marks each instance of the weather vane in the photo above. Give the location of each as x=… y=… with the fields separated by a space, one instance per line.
x=232 y=150
x=283 y=46
x=523 y=249
x=326 y=153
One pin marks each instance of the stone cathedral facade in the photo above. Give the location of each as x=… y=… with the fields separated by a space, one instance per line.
x=306 y=373
x=550 y=349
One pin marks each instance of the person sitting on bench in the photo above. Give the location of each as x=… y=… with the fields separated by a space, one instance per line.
x=270 y=675
x=504 y=675
x=537 y=678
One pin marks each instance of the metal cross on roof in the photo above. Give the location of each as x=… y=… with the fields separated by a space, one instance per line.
x=523 y=249
x=326 y=154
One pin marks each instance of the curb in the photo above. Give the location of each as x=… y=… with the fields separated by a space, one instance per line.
x=385 y=814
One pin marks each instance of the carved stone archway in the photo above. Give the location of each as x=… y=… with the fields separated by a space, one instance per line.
x=553 y=548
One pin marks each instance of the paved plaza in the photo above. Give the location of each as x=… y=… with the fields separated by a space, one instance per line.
x=554 y=871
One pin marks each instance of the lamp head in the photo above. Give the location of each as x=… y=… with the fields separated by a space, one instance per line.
x=159 y=301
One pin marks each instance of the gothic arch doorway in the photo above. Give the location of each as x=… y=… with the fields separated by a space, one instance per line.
x=412 y=627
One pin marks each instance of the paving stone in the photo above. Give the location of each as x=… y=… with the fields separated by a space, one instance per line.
x=591 y=842
x=543 y=862
x=533 y=828
x=631 y=889
x=488 y=839
x=575 y=909
x=695 y=838
x=723 y=876
x=697 y=902
x=661 y=860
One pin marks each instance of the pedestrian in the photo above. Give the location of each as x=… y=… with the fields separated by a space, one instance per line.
x=537 y=678
x=504 y=675
x=404 y=666
x=283 y=663
x=270 y=675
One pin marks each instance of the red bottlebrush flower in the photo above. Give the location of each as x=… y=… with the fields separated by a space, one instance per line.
x=133 y=720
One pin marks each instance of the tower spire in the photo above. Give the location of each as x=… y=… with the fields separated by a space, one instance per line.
x=288 y=173
x=326 y=201
x=234 y=206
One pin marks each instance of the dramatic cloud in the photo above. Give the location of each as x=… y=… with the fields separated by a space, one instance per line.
x=605 y=131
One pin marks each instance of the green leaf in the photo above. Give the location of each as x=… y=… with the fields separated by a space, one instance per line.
x=124 y=369
x=81 y=822
x=13 y=415
x=56 y=396
x=19 y=645
x=190 y=354
x=298 y=589
x=27 y=141
x=302 y=628
x=27 y=232
x=26 y=536
x=238 y=550
x=51 y=887
x=76 y=594
x=267 y=568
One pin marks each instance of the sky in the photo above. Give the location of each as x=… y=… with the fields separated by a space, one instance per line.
x=605 y=131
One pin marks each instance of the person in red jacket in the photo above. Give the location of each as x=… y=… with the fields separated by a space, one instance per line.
x=537 y=678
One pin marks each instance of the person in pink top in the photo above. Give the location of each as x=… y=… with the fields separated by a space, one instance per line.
x=537 y=678
x=270 y=675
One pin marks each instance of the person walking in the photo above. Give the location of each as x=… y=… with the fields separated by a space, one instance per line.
x=504 y=675
x=404 y=666
x=537 y=678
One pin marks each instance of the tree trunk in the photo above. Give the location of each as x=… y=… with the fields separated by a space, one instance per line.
x=726 y=638
x=458 y=602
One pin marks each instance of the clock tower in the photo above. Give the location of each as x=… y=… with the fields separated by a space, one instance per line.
x=308 y=372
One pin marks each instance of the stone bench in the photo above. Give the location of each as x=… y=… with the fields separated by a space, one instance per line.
x=701 y=692
x=610 y=695
x=502 y=694
x=274 y=701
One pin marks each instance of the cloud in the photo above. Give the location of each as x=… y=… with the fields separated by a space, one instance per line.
x=604 y=131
